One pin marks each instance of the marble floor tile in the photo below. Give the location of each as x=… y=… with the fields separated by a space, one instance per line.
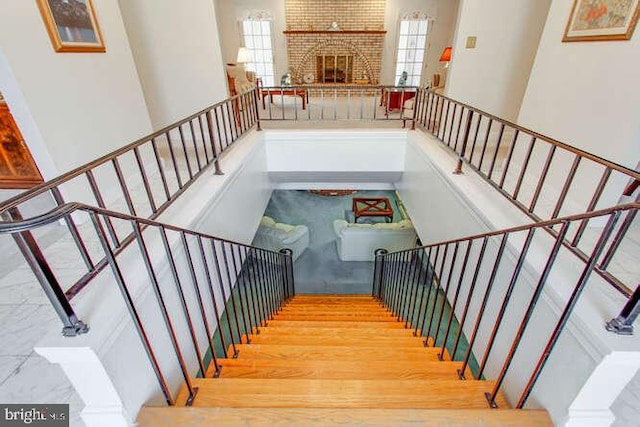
x=23 y=327
x=8 y=364
x=17 y=286
x=5 y=309
x=76 y=405
x=36 y=381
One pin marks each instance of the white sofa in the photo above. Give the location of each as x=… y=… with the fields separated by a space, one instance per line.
x=274 y=236
x=358 y=242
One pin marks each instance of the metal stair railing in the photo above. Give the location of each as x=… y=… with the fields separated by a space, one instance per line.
x=541 y=176
x=218 y=291
x=143 y=178
x=498 y=279
x=338 y=102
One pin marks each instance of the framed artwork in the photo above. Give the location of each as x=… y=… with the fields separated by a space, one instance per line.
x=72 y=25
x=593 y=20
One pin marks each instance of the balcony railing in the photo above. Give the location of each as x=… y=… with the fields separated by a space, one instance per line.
x=543 y=177
x=141 y=179
x=336 y=102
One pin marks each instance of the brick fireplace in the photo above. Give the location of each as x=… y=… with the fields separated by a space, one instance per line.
x=335 y=41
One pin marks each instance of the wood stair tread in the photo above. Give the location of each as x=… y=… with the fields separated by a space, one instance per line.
x=338 y=360
x=250 y=392
x=335 y=324
x=311 y=352
x=312 y=417
x=335 y=309
x=353 y=317
x=338 y=340
x=335 y=369
x=332 y=332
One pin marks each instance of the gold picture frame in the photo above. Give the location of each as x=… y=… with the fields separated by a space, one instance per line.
x=602 y=20
x=72 y=25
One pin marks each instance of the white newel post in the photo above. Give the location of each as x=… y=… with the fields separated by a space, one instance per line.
x=85 y=371
x=591 y=407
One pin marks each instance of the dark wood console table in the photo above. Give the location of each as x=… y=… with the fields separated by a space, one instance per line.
x=372 y=206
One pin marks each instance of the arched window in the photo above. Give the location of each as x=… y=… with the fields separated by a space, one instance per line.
x=257 y=36
x=412 y=39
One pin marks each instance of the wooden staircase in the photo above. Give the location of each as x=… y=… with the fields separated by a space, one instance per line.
x=337 y=359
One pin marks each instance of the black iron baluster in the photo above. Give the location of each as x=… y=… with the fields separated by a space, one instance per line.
x=485 y=300
x=252 y=288
x=484 y=145
x=196 y=287
x=622 y=324
x=475 y=139
x=507 y=163
x=123 y=186
x=505 y=301
x=455 y=301
x=542 y=178
x=225 y=301
x=218 y=314
x=411 y=306
x=204 y=141
x=463 y=318
x=145 y=180
x=527 y=315
x=232 y=285
x=184 y=150
x=426 y=287
x=592 y=205
x=161 y=169
x=183 y=302
x=173 y=159
x=73 y=229
x=128 y=299
x=98 y=196
x=446 y=293
x=239 y=284
x=163 y=309
x=495 y=153
x=195 y=145
x=216 y=156
x=437 y=291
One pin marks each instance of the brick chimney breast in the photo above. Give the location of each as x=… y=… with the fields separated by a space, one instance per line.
x=336 y=41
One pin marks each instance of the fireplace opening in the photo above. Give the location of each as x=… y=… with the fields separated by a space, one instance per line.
x=334 y=68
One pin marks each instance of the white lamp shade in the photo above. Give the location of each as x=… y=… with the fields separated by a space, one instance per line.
x=244 y=56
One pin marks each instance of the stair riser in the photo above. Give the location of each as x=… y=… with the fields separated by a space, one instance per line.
x=334 y=324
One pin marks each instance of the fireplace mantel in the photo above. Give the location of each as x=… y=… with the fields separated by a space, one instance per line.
x=373 y=32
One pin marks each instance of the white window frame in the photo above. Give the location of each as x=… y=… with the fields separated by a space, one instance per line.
x=260 y=45
x=411 y=49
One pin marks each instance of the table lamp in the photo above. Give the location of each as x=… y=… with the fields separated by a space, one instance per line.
x=244 y=56
x=446 y=56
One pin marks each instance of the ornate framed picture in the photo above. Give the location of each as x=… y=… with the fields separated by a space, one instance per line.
x=593 y=20
x=72 y=25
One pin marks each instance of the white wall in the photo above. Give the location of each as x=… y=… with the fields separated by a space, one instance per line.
x=585 y=93
x=338 y=159
x=494 y=75
x=443 y=12
x=177 y=54
x=238 y=207
x=70 y=107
